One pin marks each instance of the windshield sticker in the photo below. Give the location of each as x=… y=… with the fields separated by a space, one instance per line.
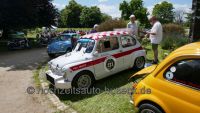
x=169 y=75
x=173 y=69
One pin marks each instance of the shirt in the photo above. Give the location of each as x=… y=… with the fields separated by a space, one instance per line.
x=157 y=29
x=133 y=27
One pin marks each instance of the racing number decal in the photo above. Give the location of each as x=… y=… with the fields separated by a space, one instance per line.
x=110 y=64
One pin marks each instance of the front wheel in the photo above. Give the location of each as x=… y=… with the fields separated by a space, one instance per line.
x=68 y=50
x=83 y=80
x=149 y=108
x=139 y=63
x=52 y=55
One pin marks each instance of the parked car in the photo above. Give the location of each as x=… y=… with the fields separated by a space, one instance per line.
x=96 y=56
x=174 y=84
x=18 y=41
x=62 y=44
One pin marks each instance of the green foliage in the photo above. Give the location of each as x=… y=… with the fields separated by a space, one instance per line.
x=164 y=12
x=75 y=15
x=105 y=17
x=70 y=16
x=134 y=7
x=112 y=24
x=90 y=16
x=171 y=43
x=188 y=19
x=173 y=36
x=173 y=30
x=22 y=14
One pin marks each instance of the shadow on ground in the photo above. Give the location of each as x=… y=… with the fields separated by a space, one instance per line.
x=23 y=59
x=106 y=84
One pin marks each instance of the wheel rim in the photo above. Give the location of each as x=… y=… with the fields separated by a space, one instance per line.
x=84 y=81
x=139 y=62
x=147 y=111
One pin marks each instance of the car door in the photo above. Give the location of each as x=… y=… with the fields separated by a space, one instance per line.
x=182 y=89
x=108 y=62
x=128 y=43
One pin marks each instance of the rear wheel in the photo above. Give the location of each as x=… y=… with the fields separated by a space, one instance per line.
x=149 y=108
x=139 y=63
x=83 y=80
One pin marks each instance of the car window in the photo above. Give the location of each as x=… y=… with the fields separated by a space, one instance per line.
x=85 y=44
x=185 y=72
x=108 y=44
x=127 y=41
x=64 y=37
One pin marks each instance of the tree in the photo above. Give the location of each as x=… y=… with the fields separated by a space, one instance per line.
x=70 y=16
x=134 y=7
x=164 y=12
x=179 y=16
x=90 y=16
x=188 y=19
x=24 y=14
x=105 y=17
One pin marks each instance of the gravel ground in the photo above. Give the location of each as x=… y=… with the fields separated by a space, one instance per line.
x=16 y=75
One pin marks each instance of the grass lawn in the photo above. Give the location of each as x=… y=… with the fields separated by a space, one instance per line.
x=105 y=101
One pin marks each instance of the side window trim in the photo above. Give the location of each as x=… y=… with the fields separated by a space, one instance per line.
x=110 y=44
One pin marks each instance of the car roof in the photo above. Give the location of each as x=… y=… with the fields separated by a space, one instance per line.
x=189 y=49
x=99 y=35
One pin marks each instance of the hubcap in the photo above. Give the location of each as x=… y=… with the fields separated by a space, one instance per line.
x=84 y=81
x=147 y=111
x=139 y=62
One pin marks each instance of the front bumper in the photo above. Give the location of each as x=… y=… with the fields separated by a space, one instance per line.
x=58 y=81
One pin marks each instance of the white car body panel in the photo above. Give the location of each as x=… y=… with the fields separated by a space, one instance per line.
x=75 y=62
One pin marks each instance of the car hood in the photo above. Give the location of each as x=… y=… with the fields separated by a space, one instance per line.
x=144 y=71
x=59 y=43
x=69 y=58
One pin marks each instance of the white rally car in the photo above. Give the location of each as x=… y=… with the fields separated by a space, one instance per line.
x=96 y=56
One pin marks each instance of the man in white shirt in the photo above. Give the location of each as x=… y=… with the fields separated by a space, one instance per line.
x=156 y=35
x=132 y=25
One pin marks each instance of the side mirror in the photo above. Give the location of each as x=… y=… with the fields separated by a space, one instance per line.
x=96 y=54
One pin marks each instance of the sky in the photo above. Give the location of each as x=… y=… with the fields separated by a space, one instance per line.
x=111 y=7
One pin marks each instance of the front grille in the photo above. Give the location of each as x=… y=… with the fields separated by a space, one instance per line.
x=50 y=79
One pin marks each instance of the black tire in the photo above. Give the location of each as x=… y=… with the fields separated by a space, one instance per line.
x=68 y=50
x=75 y=81
x=52 y=55
x=138 y=60
x=144 y=108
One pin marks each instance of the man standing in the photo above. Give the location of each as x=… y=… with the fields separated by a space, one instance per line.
x=132 y=25
x=94 y=30
x=155 y=34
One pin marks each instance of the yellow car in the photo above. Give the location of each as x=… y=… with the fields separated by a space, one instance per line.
x=173 y=86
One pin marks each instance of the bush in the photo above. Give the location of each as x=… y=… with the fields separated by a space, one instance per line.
x=170 y=43
x=173 y=36
x=173 y=30
x=111 y=24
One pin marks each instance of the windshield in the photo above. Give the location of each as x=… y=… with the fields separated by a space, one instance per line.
x=86 y=45
x=64 y=38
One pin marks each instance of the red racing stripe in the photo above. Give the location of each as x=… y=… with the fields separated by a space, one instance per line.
x=100 y=60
